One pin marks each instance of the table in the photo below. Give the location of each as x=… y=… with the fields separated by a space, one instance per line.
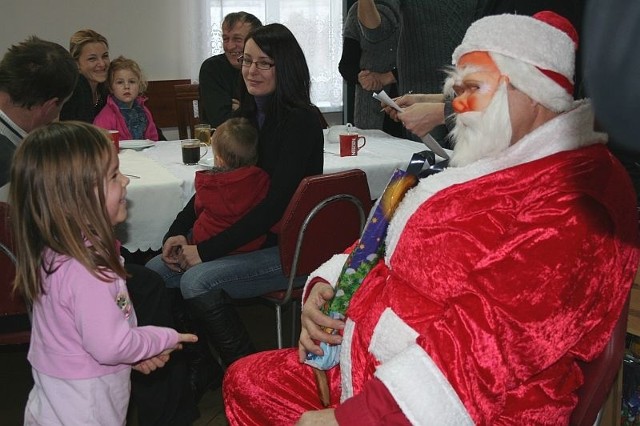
x=166 y=184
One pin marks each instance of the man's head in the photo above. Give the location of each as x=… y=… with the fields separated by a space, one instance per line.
x=235 y=28
x=38 y=76
x=512 y=74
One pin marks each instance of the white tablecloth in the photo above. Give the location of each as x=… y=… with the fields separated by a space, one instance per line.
x=153 y=200
x=166 y=184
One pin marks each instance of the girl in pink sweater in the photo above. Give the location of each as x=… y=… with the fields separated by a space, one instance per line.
x=66 y=195
x=125 y=110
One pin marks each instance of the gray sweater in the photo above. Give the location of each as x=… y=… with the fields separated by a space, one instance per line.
x=429 y=32
x=377 y=57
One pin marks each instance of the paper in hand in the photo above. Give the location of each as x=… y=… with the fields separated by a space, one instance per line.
x=428 y=140
x=385 y=99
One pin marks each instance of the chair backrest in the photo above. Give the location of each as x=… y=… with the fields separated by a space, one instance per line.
x=334 y=227
x=187 y=108
x=13 y=310
x=600 y=374
x=161 y=96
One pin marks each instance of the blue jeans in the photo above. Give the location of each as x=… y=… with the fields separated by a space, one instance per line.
x=241 y=276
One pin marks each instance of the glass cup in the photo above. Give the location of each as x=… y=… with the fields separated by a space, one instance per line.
x=202 y=132
x=191 y=151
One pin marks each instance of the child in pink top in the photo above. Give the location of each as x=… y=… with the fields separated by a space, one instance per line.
x=125 y=110
x=67 y=193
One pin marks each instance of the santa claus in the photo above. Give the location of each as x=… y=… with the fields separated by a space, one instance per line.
x=500 y=273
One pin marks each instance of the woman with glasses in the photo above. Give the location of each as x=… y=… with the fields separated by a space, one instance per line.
x=275 y=97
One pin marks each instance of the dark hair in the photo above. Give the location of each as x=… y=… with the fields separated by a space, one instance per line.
x=35 y=71
x=293 y=82
x=236 y=143
x=231 y=19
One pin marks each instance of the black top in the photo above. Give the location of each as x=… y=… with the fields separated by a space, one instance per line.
x=218 y=85
x=80 y=106
x=288 y=151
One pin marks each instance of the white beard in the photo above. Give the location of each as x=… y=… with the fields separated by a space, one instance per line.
x=478 y=135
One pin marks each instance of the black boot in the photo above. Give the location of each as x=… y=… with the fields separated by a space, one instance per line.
x=205 y=372
x=222 y=324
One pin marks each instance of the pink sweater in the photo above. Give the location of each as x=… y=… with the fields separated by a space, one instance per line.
x=84 y=327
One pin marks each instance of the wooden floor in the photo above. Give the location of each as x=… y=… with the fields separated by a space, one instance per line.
x=16 y=382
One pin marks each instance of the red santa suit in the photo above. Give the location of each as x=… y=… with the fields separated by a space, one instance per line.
x=222 y=198
x=498 y=277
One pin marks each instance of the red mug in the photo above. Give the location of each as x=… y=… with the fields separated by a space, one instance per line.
x=115 y=137
x=349 y=144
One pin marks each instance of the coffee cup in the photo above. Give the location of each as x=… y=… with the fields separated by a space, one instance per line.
x=191 y=151
x=115 y=137
x=349 y=144
x=203 y=133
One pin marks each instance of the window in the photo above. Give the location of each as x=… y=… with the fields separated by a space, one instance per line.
x=317 y=25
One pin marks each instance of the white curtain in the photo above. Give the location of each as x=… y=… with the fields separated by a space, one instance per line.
x=317 y=25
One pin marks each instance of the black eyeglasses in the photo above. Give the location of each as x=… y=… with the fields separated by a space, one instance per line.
x=261 y=65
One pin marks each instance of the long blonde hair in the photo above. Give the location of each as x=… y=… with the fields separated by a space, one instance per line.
x=58 y=203
x=80 y=38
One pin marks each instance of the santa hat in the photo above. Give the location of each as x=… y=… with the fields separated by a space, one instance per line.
x=537 y=53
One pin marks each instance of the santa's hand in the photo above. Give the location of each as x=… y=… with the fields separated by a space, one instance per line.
x=318 y=417
x=314 y=322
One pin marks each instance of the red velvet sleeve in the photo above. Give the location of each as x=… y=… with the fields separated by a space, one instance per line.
x=373 y=406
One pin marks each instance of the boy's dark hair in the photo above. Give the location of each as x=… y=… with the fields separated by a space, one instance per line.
x=35 y=71
x=236 y=142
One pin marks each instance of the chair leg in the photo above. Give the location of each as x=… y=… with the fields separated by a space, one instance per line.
x=279 y=325
x=294 y=322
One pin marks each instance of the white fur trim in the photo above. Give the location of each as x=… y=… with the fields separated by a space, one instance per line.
x=521 y=37
x=570 y=130
x=329 y=271
x=345 y=360
x=391 y=336
x=533 y=83
x=424 y=395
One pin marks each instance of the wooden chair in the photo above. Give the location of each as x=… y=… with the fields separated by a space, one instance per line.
x=325 y=216
x=14 y=313
x=161 y=101
x=187 y=109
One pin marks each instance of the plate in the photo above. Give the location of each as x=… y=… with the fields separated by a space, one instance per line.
x=206 y=162
x=136 y=144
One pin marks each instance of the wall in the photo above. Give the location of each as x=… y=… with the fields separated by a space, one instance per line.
x=153 y=32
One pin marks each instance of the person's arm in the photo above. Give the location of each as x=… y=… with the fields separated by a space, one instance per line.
x=368 y=14
x=184 y=221
x=378 y=22
x=217 y=84
x=349 y=65
x=292 y=165
x=103 y=326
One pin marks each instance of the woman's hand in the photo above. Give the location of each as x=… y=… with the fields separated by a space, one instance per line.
x=188 y=256
x=170 y=250
x=420 y=118
x=151 y=364
x=318 y=418
x=313 y=321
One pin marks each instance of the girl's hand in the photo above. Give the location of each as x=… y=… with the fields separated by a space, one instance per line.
x=151 y=364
